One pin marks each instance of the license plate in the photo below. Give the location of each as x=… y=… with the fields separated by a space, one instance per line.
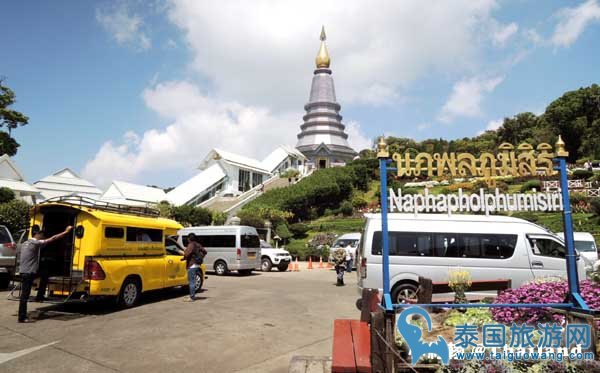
x=251 y=255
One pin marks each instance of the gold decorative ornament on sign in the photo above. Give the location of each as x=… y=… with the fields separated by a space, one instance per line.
x=382 y=149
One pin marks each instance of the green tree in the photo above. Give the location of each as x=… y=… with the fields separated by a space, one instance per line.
x=15 y=215
x=191 y=216
x=6 y=195
x=576 y=116
x=10 y=119
x=283 y=232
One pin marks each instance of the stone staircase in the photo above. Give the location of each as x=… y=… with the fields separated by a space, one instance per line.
x=231 y=205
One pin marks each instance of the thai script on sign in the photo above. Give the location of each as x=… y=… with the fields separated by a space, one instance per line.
x=524 y=162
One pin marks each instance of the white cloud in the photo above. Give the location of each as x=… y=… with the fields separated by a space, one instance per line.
x=494 y=124
x=268 y=56
x=533 y=36
x=504 y=33
x=466 y=98
x=573 y=21
x=124 y=27
x=423 y=126
x=356 y=138
x=198 y=123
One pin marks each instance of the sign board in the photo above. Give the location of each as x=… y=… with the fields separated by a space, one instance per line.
x=483 y=201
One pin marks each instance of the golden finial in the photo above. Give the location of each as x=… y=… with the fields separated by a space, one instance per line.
x=382 y=149
x=323 y=59
x=560 y=148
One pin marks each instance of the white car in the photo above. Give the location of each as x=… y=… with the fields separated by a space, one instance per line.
x=7 y=256
x=585 y=246
x=344 y=240
x=269 y=257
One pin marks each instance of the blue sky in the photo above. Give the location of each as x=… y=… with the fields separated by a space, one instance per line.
x=140 y=91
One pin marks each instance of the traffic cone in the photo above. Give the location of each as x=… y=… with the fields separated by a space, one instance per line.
x=296 y=266
x=329 y=265
x=321 y=262
x=310 y=262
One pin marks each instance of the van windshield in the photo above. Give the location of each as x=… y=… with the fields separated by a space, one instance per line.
x=344 y=243
x=585 y=246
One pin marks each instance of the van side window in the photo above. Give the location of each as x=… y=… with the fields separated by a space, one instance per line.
x=135 y=234
x=114 y=232
x=214 y=241
x=250 y=241
x=449 y=245
x=547 y=247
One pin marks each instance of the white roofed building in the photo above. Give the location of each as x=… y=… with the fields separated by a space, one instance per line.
x=133 y=194
x=65 y=183
x=283 y=158
x=12 y=178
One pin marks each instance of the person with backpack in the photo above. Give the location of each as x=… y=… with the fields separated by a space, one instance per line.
x=194 y=256
x=340 y=262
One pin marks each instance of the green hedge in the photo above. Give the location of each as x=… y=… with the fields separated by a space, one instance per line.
x=324 y=189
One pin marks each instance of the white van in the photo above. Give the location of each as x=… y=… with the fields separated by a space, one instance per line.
x=585 y=245
x=431 y=245
x=344 y=240
x=229 y=247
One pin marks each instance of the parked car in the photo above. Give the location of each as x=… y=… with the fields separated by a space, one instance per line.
x=228 y=247
x=8 y=250
x=352 y=239
x=585 y=246
x=431 y=245
x=270 y=256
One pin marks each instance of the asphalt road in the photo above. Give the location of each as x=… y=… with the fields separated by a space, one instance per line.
x=240 y=324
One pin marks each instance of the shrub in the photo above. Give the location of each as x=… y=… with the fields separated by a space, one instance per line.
x=359 y=203
x=531 y=184
x=299 y=230
x=191 y=216
x=456 y=186
x=322 y=239
x=406 y=191
x=251 y=218
x=218 y=218
x=283 y=232
x=595 y=206
x=6 y=195
x=346 y=208
x=582 y=174
x=15 y=215
x=554 y=291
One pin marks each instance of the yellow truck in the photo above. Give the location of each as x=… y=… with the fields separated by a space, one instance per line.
x=113 y=250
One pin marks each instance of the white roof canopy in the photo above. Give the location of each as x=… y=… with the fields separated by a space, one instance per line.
x=197 y=185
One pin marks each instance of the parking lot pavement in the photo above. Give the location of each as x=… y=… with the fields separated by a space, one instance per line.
x=246 y=324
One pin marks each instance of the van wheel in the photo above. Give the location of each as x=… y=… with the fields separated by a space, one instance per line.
x=266 y=265
x=283 y=267
x=404 y=293
x=130 y=293
x=221 y=268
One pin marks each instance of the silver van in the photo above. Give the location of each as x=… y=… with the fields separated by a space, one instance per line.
x=8 y=250
x=432 y=245
x=228 y=247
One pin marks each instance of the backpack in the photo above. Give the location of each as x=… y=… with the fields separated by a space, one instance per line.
x=339 y=255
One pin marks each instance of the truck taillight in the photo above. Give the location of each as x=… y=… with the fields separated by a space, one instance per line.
x=10 y=245
x=239 y=254
x=93 y=271
x=363 y=268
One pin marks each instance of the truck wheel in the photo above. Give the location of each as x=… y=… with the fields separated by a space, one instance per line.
x=283 y=267
x=266 y=265
x=221 y=268
x=130 y=293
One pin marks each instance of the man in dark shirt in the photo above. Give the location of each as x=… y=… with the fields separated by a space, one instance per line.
x=29 y=266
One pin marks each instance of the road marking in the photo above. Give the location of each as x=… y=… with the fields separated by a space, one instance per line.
x=4 y=357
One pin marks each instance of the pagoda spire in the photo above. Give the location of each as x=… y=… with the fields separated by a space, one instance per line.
x=323 y=59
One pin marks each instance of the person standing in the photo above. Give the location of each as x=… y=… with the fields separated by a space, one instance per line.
x=349 y=258
x=339 y=260
x=194 y=256
x=29 y=266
